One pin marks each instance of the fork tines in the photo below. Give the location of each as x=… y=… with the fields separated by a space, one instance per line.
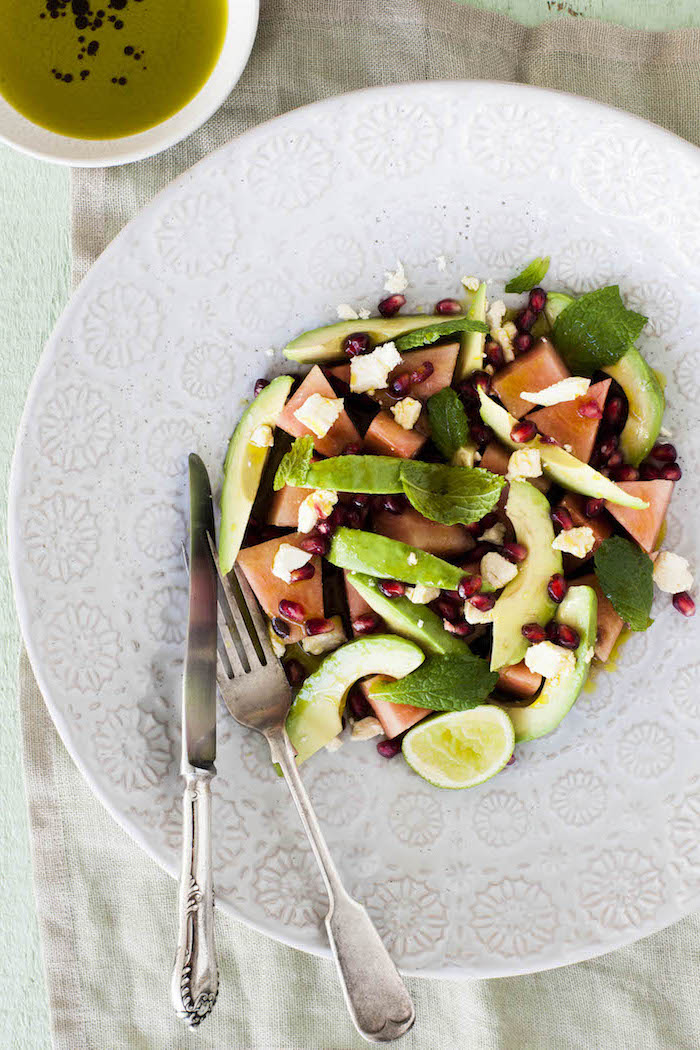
x=242 y=628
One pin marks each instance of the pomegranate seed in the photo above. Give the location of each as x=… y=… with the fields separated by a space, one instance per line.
x=614 y=411
x=469 y=586
x=515 y=551
x=292 y=610
x=684 y=603
x=477 y=553
x=474 y=528
x=318 y=625
x=353 y=517
x=522 y=342
x=260 y=385
x=449 y=307
x=280 y=628
x=389 y=748
x=525 y=319
x=361 y=499
x=357 y=703
x=394 y=504
x=392 y=588
x=295 y=672
x=481 y=381
x=391 y=305
x=547 y=439
x=625 y=473
x=461 y=628
x=648 y=472
x=533 y=632
x=671 y=472
x=615 y=460
x=608 y=445
x=356 y=344
x=663 y=453
x=523 y=431
x=448 y=609
x=315 y=543
x=557 y=588
x=366 y=624
x=304 y=572
x=480 y=433
x=326 y=527
x=590 y=409
x=605 y=471
x=353 y=449
x=593 y=507
x=537 y=300
x=511 y=761
x=482 y=602
x=567 y=636
x=552 y=631
x=494 y=354
x=401 y=384
x=488 y=520
x=423 y=372
x=562 y=518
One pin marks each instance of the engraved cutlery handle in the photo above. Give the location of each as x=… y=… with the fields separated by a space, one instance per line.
x=195 y=980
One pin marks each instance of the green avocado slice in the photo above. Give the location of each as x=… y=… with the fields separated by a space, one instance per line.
x=471 y=351
x=326 y=343
x=390 y=559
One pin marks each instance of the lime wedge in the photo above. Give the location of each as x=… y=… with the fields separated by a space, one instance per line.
x=461 y=748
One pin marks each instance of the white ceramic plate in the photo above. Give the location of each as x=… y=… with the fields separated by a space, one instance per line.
x=592 y=838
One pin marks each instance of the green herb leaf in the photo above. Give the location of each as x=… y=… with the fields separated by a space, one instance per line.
x=596 y=330
x=442 y=683
x=432 y=332
x=533 y=274
x=295 y=464
x=449 y=425
x=450 y=495
x=624 y=573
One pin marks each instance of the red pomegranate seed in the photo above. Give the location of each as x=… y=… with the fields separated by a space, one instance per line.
x=392 y=588
x=488 y=520
x=562 y=518
x=402 y=384
x=494 y=354
x=608 y=445
x=615 y=460
x=389 y=748
x=523 y=431
x=534 y=633
x=525 y=319
x=260 y=385
x=684 y=603
x=353 y=449
x=614 y=411
x=353 y=517
x=326 y=527
x=318 y=625
x=567 y=636
x=304 y=572
x=663 y=453
x=593 y=507
x=557 y=588
x=515 y=551
x=423 y=372
x=292 y=610
x=671 y=472
x=477 y=553
x=357 y=703
x=280 y=628
x=469 y=586
x=295 y=672
x=315 y=543
x=366 y=624
x=448 y=609
x=648 y=472
x=356 y=344
x=461 y=628
x=482 y=602
x=522 y=342
x=552 y=631
x=480 y=433
x=361 y=499
x=449 y=307
x=394 y=504
x=391 y=305
x=481 y=381
x=590 y=409
x=538 y=300
x=605 y=471
x=547 y=439
x=625 y=473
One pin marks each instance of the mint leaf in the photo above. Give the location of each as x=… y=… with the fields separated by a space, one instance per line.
x=531 y=276
x=596 y=330
x=449 y=425
x=624 y=573
x=450 y=495
x=432 y=332
x=295 y=464
x=442 y=683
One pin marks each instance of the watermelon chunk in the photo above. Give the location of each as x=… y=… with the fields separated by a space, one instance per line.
x=412 y=528
x=519 y=680
x=386 y=438
x=284 y=506
x=565 y=425
x=601 y=525
x=609 y=623
x=341 y=434
x=256 y=563
x=644 y=526
x=357 y=606
x=442 y=358
x=538 y=368
x=395 y=718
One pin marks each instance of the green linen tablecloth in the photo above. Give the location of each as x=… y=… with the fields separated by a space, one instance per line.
x=105 y=910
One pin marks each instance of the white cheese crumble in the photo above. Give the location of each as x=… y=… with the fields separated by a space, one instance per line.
x=497 y=570
x=665 y=432
x=524 y=463
x=496 y=534
x=565 y=390
x=335 y=744
x=396 y=280
x=471 y=284
x=579 y=541
x=568 y=448
x=371 y=371
x=286 y=560
x=278 y=646
x=412 y=559
x=495 y=314
x=317 y=644
x=346 y=312
x=262 y=436
x=406 y=412
x=421 y=595
x=473 y=615
x=504 y=340
x=318 y=504
x=420 y=623
x=550 y=660
x=319 y=413
x=366 y=728
x=672 y=573
x=441 y=263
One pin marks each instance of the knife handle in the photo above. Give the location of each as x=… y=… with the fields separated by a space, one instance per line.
x=195 y=980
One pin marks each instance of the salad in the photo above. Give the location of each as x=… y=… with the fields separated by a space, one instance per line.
x=449 y=518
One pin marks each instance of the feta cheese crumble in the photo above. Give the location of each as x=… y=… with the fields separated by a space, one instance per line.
x=346 y=312
x=421 y=595
x=334 y=745
x=406 y=412
x=475 y=616
x=524 y=463
x=505 y=341
x=578 y=542
x=262 y=436
x=317 y=644
x=319 y=413
x=496 y=534
x=396 y=280
x=495 y=314
x=371 y=371
x=471 y=283
x=366 y=728
x=286 y=560
x=318 y=504
x=565 y=390
x=672 y=573
x=441 y=263
x=550 y=660
x=278 y=646
x=497 y=570
x=412 y=559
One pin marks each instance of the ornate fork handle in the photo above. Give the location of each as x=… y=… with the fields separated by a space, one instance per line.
x=195 y=980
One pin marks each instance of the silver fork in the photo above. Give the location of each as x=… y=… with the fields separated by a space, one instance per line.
x=256 y=692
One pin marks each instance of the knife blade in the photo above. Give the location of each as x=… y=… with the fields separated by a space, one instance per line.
x=199 y=680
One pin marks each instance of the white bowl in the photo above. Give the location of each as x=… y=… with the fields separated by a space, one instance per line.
x=28 y=137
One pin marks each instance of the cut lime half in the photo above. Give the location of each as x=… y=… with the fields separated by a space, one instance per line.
x=461 y=748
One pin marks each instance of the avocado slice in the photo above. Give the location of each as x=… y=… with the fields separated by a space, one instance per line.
x=243 y=468
x=557 y=464
x=390 y=559
x=370 y=474
x=326 y=343
x=417 y=622
x=315 y=716
x=525 y=598
x=579 y=610
x=471 y=350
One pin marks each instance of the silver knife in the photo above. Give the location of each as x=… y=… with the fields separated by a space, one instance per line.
x=195 y=980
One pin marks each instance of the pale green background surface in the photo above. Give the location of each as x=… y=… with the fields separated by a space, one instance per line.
x=34 y=285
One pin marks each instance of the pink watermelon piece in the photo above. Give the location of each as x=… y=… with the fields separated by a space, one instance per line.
x=412 y=528
x=341 y=434
x=518 y=680
x=495 y=458
x=256 y=563
x=563 y=422
x=644 y=526
x=394 y=718
x=442 y=358
x=385 y=437
x=284 y=506
x=609 y=623
x=534 y=370
x=601 y=524
x=357 y=606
